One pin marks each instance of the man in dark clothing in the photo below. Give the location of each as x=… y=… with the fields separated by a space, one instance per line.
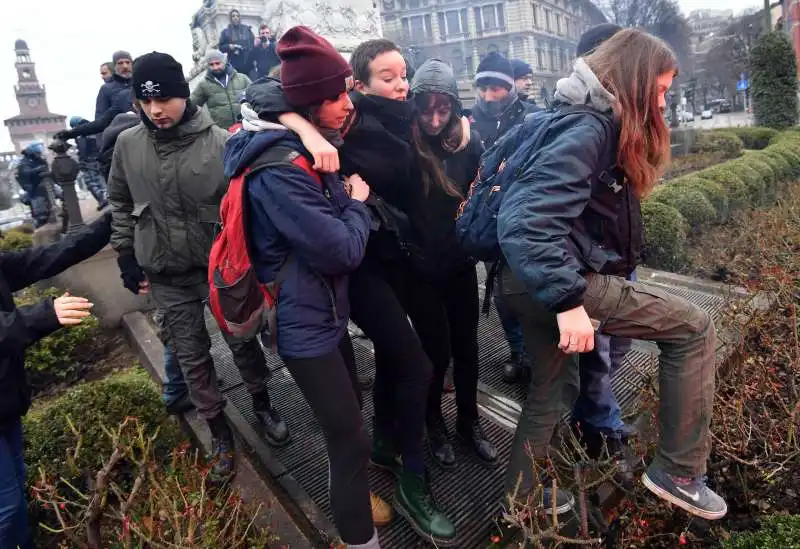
x=165 y=188
x=21 y=327
x=237 y=40
x=30 y=174
x=120 y=82
x=262 y=58
x=497 y=110
x=106 y=71
x=114 y=98
x=523 y=80
x=88 y=153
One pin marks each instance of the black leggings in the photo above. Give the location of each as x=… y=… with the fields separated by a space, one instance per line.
x=330 y=386
x=445 y=315
x=402 y=369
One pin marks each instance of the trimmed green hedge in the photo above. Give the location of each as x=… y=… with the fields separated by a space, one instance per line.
x=711 y=190
x=665 y=234
x=723 y=142
x=696 y=201
x=753 y=138
x=57 y=357
x=693 y=205
x=91 y=407
x=15 y=239
x=731 y=180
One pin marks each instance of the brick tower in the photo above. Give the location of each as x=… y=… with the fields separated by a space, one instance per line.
x=34 y=122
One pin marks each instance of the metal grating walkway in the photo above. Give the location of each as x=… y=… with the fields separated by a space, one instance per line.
x=470 y=493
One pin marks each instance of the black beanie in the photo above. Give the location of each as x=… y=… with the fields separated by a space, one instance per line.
x=495 y=70
x=595 y=36
x=158 y=75
x=521 y=68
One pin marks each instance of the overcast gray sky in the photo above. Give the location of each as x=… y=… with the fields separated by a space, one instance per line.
x=70 y=38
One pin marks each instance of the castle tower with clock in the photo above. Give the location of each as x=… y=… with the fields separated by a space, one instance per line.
x=34 y=122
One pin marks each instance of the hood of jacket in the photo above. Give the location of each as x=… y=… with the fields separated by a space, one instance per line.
x=582 y=87
x=120 y=123
x=245 y=146
x=435 y=76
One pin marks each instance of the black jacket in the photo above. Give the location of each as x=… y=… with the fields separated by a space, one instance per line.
x=558 y=220
x=437 y=253
x=240 y=35
x=21 y=327
x=108 y=140
x=261 y=60
x=493 y=128
x=377 y=146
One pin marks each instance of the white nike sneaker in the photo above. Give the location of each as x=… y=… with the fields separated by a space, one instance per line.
x=690 y=494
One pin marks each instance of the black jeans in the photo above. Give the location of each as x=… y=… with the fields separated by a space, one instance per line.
x=445 y=315
x=330 y=386
x=402 y=369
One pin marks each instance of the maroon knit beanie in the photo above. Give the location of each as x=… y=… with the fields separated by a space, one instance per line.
x=311 y=68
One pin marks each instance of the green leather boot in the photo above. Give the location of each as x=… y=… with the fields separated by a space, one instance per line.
x=384 y=456
x=414 y=501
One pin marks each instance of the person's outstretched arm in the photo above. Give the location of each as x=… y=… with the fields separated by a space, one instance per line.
x=23 y=268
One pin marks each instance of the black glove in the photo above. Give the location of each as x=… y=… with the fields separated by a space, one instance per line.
x=130 y=272
x=63 y=135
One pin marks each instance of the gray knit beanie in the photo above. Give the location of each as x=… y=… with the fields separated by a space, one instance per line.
x=214 y=55
x=121 y=54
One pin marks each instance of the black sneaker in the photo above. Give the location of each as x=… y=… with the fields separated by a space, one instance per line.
x=222 y=451
x=441 y=448
x=474 y=436
x=690 y=494
x=614 y=446
x=275 y=430
x=180 y=405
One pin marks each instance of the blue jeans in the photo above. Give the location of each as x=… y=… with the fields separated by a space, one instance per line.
x=596 y=407
x=175 y=385
x=13 y=504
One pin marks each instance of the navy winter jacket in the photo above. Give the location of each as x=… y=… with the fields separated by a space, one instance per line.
x=30 y=171
x=558 y=222
x=324 y=229
x=116 y=91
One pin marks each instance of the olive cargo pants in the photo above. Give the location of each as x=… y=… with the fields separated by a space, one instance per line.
x=685 y=335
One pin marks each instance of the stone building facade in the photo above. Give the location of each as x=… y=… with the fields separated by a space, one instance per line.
x=544 y=33
x=34 y=122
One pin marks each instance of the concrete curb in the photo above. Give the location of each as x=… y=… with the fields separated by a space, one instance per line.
x=297 y=520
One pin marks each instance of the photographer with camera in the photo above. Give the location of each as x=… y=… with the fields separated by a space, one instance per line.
x=237 y=40
x=263 y=57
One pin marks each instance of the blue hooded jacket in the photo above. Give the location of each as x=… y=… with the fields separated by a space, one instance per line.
x=88 y=150
x=323 y=228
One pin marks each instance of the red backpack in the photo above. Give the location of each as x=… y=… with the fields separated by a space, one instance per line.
x=241 y=304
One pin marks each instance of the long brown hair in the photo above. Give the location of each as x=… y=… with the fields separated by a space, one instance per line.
x=432 y=171
x=628 y=65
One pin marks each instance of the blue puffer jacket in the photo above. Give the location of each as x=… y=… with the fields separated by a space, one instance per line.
x=324 y=229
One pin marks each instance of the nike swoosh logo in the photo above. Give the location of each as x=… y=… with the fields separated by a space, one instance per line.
x=694 y=496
